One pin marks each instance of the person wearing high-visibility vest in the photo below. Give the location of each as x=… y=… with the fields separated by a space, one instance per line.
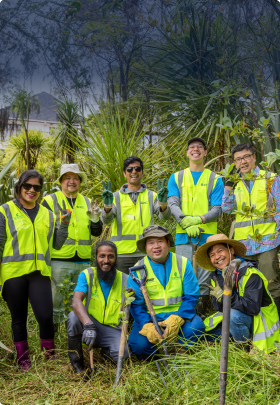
x=97 y=301
x=27 y=239
x=75 y=254
x=195 y=198
x=173 y=289
x=131 y=209
x=263 y=193
x=254 y=317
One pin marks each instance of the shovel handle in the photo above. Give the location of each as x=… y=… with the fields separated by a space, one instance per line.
x=194 y=263
x=91 y=358
x=148 y=301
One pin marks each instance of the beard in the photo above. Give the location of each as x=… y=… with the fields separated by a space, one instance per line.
x=107 y=276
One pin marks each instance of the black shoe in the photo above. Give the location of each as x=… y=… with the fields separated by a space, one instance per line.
x=75 y=353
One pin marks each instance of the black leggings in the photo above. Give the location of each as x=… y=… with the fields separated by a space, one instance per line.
x=37 y=288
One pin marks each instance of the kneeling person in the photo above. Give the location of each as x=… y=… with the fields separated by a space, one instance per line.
x=173 y=290
x=96 y=305
x=253 y=311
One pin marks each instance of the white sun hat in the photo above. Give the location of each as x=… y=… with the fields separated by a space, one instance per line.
x=71 y=168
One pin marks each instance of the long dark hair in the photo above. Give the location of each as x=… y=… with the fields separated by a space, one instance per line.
x=28 y=174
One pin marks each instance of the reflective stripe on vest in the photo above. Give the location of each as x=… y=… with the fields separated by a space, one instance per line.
x=95 y=301
x=131 y=219
x=20 y=246
x=195 y=200
x=79 y=230
x=170 y=302
x=212 y=321
x=245 y=226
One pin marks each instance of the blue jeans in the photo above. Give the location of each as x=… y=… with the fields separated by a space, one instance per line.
x=188 y=336
x=241 y=326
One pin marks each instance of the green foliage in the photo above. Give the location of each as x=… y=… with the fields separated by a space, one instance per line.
x=7 y=189
x=66 y=290
x=128 y=300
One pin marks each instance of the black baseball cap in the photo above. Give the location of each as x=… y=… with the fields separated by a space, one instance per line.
x=197 y=139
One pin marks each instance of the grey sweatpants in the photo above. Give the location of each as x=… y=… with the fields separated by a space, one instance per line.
x=203 y=276
x=107 y=336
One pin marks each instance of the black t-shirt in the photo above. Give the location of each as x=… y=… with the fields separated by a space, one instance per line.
x=31 y=212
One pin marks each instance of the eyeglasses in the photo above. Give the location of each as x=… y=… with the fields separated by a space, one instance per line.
x=137 y=169
x=246 y=158
x=28 y=186
x=196 y=147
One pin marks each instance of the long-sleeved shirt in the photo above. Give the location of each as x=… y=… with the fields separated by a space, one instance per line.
x=174 y=203
x=108 y=218
x=162 y=272
x=59 y=237
x=229 y=205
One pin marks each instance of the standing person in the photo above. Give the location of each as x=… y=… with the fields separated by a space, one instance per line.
x=97 y=301
x=256 y=192
x=195 y=198
x=75 y=254
x=132 y=209
x=173 y=290
x=27 y=239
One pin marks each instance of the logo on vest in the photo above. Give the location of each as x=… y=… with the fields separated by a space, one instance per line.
x=203 y=185
x=175 y=276
x=149 y=279
x=80 y=206
x=94 y=294
x=18 y=216
x=128 y=217
x=144 y=202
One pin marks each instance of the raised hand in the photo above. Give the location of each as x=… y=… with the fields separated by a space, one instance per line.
x=95 y=211
x=216 y=291
x=107 y=195
x=162 y=193
x=65 y=213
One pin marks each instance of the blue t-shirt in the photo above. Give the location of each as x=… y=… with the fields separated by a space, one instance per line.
x=83 y=287
x=215 y=199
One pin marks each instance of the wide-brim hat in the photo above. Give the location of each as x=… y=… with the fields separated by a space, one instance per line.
x=71 y=168
x=198 y=140
x=202 y=258
x=154 y=231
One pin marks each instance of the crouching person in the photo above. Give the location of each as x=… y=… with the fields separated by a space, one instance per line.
x=96 y=305
x=173 y=290
x=253 y=314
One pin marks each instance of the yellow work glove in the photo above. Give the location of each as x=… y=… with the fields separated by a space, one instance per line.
x=150 y=332
x=172 y=325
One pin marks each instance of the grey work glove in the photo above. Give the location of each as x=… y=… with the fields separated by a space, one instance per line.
x=89 y=334
x=95 y=211
x=107 y=195
x=162 y=193
x=65 y=213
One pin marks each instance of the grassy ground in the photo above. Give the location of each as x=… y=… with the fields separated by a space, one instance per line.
x=252 y=379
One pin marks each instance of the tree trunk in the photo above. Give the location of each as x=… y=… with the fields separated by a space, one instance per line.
x=27 y=149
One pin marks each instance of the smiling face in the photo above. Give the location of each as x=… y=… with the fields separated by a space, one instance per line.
x=106 y=258
x=220 y=256
x=70 y=184
x=28 y=198
x=245 y=161
x=133 y=178
x=196 y=152
x=157 y=249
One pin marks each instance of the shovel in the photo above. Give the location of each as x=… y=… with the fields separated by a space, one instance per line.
x=91 y=363
x=141 y=284
x=228 y=286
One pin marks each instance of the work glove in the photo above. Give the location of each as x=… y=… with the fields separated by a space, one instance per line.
x=89 y=334
x=172 y=325
x=65 y=213
x=130 y=290
x=162 y=193
x=193 y=231
x=107 y=195
x=216 y=291
x=151 y=334
x=95 y=211
x=230 y=183
x=190 y=221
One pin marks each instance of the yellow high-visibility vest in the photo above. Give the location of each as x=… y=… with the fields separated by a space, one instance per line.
x=265 y=325
x=131 y=219
x=95 y=301
x=79 y=230
x=28 y=247
x=247 y=226
x=170 y=298
x=195 y=200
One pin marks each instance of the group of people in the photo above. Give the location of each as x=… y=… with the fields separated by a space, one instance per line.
x=41 y=244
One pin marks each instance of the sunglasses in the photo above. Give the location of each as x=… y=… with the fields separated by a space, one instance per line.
x=28 y=186
x=137 y=169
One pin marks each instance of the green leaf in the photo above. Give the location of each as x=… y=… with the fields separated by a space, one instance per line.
x=5 y=347
x=8 y=165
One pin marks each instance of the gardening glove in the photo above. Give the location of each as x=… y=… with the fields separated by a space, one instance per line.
x=89 y=334
x=150 y=332
x=95 y=211
x=231 y=183
x=216 y=291
x=190 y=221
x=107 y=195
x=65 y=214
x=162 y=194
x=193 y=231
x=130 y=290
x=172 y=325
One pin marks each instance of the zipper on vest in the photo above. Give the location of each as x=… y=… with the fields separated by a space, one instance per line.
x=164 y=275
x=26 y=214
